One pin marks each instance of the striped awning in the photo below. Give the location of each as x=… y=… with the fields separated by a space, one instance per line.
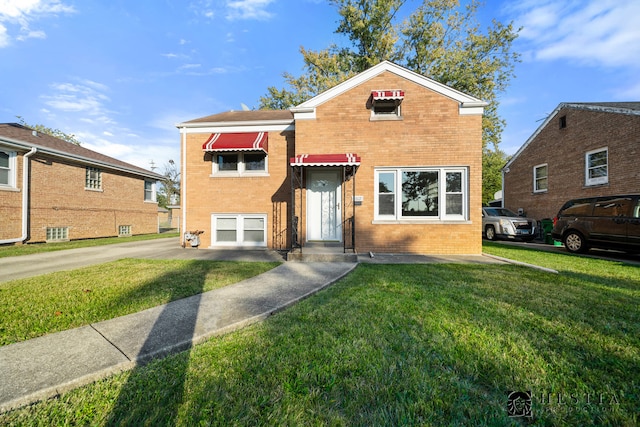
x=387 y=95
x=347 y=159
x=249 y=141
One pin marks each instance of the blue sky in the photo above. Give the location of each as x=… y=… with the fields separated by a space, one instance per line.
x=119 y=74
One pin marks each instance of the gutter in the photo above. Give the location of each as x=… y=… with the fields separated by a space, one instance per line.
x=25 y=199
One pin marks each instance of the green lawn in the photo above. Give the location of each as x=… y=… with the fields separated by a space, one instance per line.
x=437 y=344
x=63 y=300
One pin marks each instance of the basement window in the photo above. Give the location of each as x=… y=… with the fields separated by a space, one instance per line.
x=57 y=234
x=124 y=230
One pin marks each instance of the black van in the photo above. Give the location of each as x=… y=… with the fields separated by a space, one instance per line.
x=611 y=222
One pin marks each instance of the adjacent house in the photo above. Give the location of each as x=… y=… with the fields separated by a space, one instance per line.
x=53 y=190
x=580 y=150
x=388 y=161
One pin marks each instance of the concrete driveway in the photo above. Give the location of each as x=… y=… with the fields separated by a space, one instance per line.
x=20 y=267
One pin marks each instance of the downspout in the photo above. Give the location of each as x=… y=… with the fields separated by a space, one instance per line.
x=25 y=199
x=183 y=188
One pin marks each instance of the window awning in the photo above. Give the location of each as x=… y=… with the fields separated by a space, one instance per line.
x=249 y=141
x=387 y=95
x=348 y=159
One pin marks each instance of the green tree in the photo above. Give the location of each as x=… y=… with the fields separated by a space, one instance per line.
x=57 y=133
x=492 y=163
x=440 y=39
x=169 y=191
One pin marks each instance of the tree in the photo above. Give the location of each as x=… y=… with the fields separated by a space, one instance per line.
x=440 y=39
x=169 y=191
x=57 y=133
x=492 y=163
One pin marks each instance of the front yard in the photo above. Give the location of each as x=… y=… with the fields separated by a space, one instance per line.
x=435 y=344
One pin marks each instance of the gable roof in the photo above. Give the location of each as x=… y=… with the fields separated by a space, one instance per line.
x=468 y=103
x=22 y=137
x=629 y=108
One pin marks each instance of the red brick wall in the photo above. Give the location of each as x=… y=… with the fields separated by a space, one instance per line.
x=431 y=133
x=206 y=194
x=58 y=199
x=564 y=151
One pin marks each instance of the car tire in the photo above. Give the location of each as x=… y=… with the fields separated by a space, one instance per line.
x=574 y=242
x=490 y=232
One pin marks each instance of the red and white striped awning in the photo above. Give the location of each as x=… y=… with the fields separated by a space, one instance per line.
x=385 y=95
x=249 y=141
x=348 y=159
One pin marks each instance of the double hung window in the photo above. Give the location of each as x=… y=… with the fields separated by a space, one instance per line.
x=421 y=194
x=540 y=178
x=597 y=167
x=149 y=191
x=7 y=168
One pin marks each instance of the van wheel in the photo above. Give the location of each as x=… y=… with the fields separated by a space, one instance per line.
x=490 y=232
x=574 y=242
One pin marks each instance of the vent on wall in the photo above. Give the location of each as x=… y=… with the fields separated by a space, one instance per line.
x=562 y=122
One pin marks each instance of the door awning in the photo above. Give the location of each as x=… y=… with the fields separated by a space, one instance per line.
x=387 y=95
x=249 y=141
x=347 y=159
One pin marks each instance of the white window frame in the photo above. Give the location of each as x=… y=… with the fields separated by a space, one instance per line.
x=598 y=180
x=242 y=170
x=536 y=178
x=12 y=171
x=94 y=184
x=153 y=198
x=239 y=242
x=442 y=194
x=396 y=114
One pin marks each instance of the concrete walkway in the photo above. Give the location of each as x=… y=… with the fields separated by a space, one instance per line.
x=47 y=366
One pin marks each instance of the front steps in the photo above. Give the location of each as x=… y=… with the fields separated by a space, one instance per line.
x=322 y=252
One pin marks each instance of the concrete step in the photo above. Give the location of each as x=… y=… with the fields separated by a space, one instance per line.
x=322 y=257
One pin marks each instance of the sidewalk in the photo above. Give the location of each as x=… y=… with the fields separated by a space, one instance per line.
x=47 y=366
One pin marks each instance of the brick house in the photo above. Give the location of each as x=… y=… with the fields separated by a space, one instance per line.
x=52 y=190
x=388 y=161
x=580 y=150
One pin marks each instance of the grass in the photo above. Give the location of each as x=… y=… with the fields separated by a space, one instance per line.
x=401 y=345
x=63 y=300
x=34 y=248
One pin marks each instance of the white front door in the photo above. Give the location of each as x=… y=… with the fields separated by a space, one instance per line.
x=323 y=205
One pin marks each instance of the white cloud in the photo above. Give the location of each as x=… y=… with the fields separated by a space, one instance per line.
x=84 y=97
x=591 y=32
x=248 y=9
x=22 y=13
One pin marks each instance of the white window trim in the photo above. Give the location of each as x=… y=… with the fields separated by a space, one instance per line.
x=588 y=182
x=396 y=115
x=215 y=171
x=11 y=184
x=87 y=179
x=442 y=193
x=239 y=230
x=535 y=178
x=153 y=198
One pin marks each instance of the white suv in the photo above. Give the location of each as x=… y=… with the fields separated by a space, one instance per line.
x=503 y=223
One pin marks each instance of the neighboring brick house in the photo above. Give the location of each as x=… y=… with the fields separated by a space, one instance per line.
x=52 y=190
x=580 y=150
x=388 y=161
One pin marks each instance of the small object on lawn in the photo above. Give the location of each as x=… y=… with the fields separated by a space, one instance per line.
x=370 y=254
x=86 y=290
x=58 y=313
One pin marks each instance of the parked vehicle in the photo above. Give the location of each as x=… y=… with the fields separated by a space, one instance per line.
x=611 y=222
x=503 y=223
